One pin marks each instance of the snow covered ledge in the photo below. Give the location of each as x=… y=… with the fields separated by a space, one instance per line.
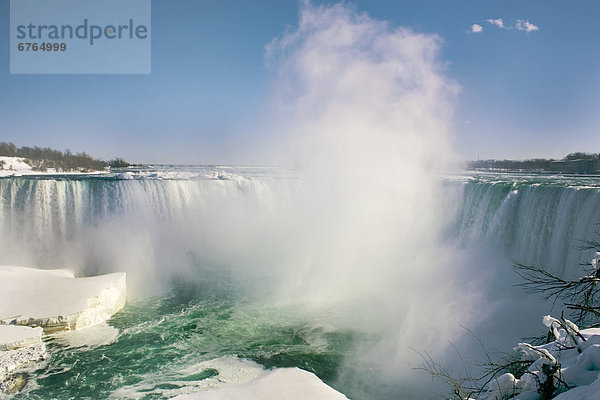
x=56 y=300
x=282 y=383
x=13 y=337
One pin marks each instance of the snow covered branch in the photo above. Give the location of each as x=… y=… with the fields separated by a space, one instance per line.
x=581 y=294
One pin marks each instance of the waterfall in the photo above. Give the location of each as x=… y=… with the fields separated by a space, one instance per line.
x=101 y=224
x=535 y=223
x=542 y=224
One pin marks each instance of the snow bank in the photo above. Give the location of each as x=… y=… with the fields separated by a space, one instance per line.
x=279 y=384
x=56 y=300
x=13 y=337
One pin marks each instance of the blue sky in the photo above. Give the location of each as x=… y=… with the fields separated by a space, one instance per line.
x=523 y=94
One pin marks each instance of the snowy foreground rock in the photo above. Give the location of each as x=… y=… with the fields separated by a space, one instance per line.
x=19 y=345
x=567 y=368
x=282 y=383
x=56 y=300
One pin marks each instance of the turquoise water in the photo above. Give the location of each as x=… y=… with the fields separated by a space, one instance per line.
x=161 y=341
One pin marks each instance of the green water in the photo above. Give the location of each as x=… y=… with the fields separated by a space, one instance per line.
x=162 y=343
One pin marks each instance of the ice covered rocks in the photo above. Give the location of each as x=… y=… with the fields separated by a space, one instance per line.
x=56 y=300
x=19 y=345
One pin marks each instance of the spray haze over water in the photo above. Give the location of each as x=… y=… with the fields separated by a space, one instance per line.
x=365 y=109
x=349 y=242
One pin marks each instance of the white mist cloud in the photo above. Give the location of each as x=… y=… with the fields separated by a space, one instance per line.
x=476 y=28
x=344 y=70
x=366 y=108
x=498 y=22
x=525 y=25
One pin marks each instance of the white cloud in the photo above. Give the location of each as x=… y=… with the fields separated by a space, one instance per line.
x=476 y=28
x=520 y=25
x=498 y=22
x=525 y=25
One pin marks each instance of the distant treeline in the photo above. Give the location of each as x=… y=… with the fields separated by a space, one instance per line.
x=43 y=158
x=573 y=163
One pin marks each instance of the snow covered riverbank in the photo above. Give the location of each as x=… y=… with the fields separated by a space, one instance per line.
x=10 y=166
x=18 y=166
